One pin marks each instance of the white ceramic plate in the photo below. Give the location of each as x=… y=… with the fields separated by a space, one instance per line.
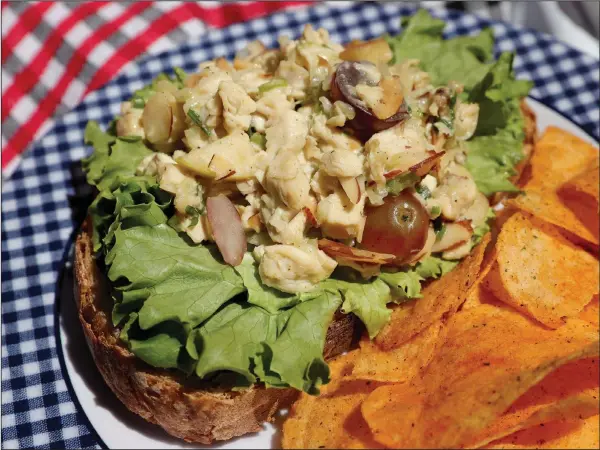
x=116 y=426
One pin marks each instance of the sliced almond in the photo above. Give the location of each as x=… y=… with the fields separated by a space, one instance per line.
x=197 y=169
x=420 y=169
x=352 y=188
x=255 y=223
x=337 y=249
x=375 y=51
x=310 y=217
x=157 y=118
x=361 y=230
x=457 y=233
x=424 y=167
x=221 y=167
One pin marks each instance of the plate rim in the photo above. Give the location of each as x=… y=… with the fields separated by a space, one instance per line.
x=134 y=73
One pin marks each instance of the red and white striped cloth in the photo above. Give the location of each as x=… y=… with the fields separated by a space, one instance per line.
x=54 y=53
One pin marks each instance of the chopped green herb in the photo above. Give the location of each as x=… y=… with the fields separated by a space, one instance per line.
x=446 y=122
x=401 y=182
x=194 y=213
x=440 y=233
x=453 y=100
x=423 y=191
x=138 y=102
x=180 y=74
x=259 y=139
x=435 y=211
x=193 y=115
x=273 y=84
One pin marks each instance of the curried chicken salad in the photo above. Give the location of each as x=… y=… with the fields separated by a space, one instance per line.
x=241 y=205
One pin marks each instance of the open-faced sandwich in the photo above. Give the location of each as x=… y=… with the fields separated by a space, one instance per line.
x=253 y=217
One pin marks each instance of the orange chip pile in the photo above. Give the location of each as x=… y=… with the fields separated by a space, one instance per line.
x=561 y=158
x=500 y=353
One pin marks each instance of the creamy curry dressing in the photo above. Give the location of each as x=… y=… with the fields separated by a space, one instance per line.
x=266 y=132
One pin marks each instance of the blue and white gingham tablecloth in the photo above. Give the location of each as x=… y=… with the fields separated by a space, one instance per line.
x=37 y=217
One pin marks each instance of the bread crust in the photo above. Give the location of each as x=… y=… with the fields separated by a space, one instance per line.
x=531 y=137
x=188 y=410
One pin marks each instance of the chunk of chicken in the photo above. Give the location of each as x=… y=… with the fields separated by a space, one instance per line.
x=195 y=138
x=297 y=77
x=237 y=106
x=339 y=218
x=456 y=192
x=283 y=224
x=397 y=148
x=250 y=79
x=288 y=133
x=185 y=189
x=293 y=269
x=465 y=120
x=286 y=180
x=330 y=138
x=154 y=165
x=273 y=104
x=340 y=163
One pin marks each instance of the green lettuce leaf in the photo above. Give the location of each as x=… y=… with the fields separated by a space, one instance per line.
x=113 y=159
x=295 y=358
x=125 y=155
x=434 y=267
x=404 y=285
x=497 y=146
x=462 y=58
x=368 y=300
x=161 y=347
x=189 y=285
x=135 y=202
x=232 y=338
x=94 y=164
x=484 y=229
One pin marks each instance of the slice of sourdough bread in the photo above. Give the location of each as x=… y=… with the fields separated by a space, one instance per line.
x=185 y=407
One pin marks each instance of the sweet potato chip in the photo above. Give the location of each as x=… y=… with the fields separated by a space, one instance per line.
x=333 y=419
x=478 y=295
x=558 y=157
x=491 y=356
x=570 y=391
x=401 y=364
x=571 y=433
x=584 y=186
x=541 y=273
x=440 y=298
x=580 y=194
x=590 y=313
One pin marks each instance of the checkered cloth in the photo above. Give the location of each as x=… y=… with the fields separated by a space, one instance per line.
x=42 y=201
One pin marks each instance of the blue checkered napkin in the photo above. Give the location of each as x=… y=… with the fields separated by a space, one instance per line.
x=38 y=409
